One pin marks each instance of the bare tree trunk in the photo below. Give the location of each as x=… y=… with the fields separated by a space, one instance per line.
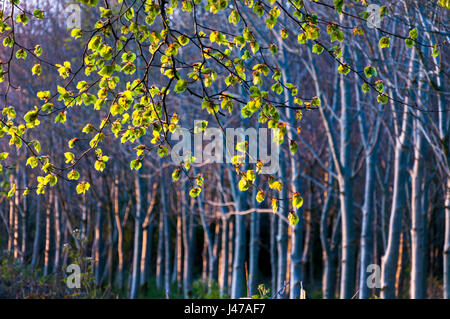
x=137 y=240
x=447 y=242
x=188 y=243
x=345 y=195
x=24 y=220
x=282 y=238
x=119 y=274
x=254 y=249
x=160 y=251
x=418 y=270
x=98 y=244
x=240 y=240
x=37 y=234
x=57 y=228
x=166 y=238
x=223 y=282
x=47 y=234
x=179 y=254
x=273 y=254
x=16 y=212
x=147 y=236
x=329 y=246
x=389 y=260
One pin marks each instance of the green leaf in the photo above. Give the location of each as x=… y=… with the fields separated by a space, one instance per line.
x=344 y=69
x=243 y=185
x=382 y=98
x=39 y=14
x=32 y=162
x=180 y=86
x=260 y=197
x=413 y=34
x=176 y=174
x=370 y=71
x=274 y=205
x=293 y=218
x=297 y=200
x=36 y=70
x=73 y=175
x=338 y=5
x=21 y=54
x=384 y=42
x=69 y=157
x=317 y=48
x=83 y=187
x=12 y=191
x=195 y=192
x=135 y=164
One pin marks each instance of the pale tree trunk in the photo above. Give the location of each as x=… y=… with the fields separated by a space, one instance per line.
x=188 y=242
x=16 y=234
x=345 y=187
x=24 y=220
x=370 y=144
x=389 y=260
x=223 y=280
x=273 y=253
x=223 y=283
x=254 y=248
x=160 y=250
x=47 y=234
x=179 y=259
x=57 y=228
x=137 y=240
x=240 y=239
x=37 y=234
x=119 y=274
x=342 y=162
x=282 y=236
x=231 y=251
x=418 y=215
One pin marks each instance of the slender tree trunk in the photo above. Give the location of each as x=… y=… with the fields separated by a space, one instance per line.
x=273 y=253
x=37 y=234
x=348 y=230
x=179 y=254
x=57 y=228
x=24 y=220
x=137 y=240
x=418 y=270
x=389 y=260
x=166 y=238
x=240 y=241
x=447 y=242
x=160 y=251
x=254 y=249
x=223 y=283
x=119 y=274
x=98 y=238
x=47 y=234
x=188 y=243
x=282 y=238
